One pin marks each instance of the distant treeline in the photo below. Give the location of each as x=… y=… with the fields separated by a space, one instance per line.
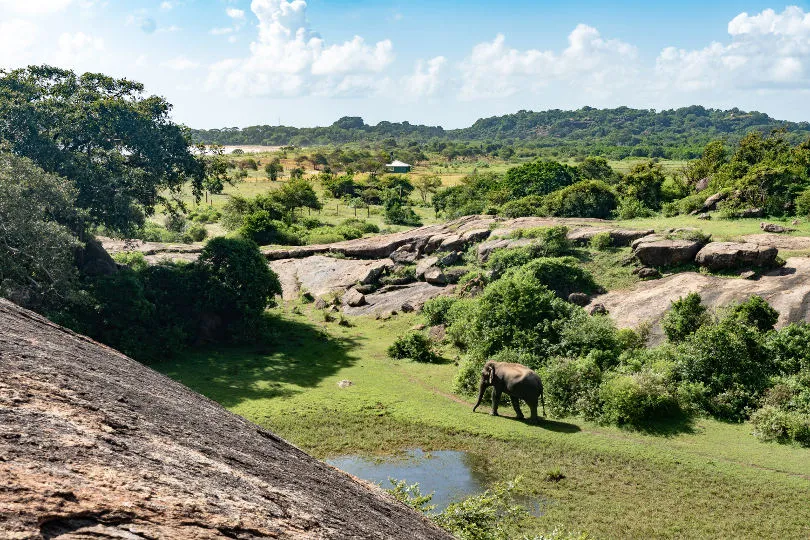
x=613 y=133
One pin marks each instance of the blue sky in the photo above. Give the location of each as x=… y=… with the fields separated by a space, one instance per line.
x=247 y=62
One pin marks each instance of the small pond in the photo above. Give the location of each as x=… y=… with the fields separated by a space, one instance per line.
x=450 y=475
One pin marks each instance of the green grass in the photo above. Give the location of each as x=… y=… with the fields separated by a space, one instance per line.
x=708 y=479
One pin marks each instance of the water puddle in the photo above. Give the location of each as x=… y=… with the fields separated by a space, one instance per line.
x=449 y=474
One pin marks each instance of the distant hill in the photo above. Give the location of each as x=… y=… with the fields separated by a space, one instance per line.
x=654 y=133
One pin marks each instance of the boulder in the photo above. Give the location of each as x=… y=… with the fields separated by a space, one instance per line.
x=578 y=298
x=452 y=242
x=388 y=300
x=597 y=309
x=438 y=332
x=711 y=202
x=774 y=228
x=435 y=276
x=407 y=307
x=365 y=289
x=93 y=259
x=450 y=259
x=454 y=274
x=405 y=254
x=732 y=255
x=96 y=445
x=485 y=249
x=648 y=273
x=423 y=266
x=322 y=275
x=752 y=212
x=618 y=237
x=320 y=303
x=704 y=216
x=476 y=235
x=353 y=298
x=702 y=184
x=667 y=252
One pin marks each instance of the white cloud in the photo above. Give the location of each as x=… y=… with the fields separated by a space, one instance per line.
x=426 y=78
x=767 y=50
x=166 y=6
x=221 y=31
x=234 y=13
x=33 y=7
x=17 y=40
x=144 y=22
x=589 y=62
x=289 y=59
x=180 y=63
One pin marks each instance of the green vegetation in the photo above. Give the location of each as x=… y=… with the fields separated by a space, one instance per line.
x=714 y=477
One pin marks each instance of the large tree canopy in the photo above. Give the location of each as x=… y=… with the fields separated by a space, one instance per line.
x=119 y=147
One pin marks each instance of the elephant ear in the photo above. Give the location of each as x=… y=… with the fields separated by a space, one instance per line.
x=490 y=373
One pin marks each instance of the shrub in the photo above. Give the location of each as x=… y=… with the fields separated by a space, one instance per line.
x=261 y=228
x=134 y=259
x=774 y=424
x=435 y=310
x=413 y=345
x=802 y=203
x=461 y=319
x=240 y=283
x=205 y=214
x=519 y=311
x=152 y=232
x=197 y=233
x=364 y=226
x=570 y=385
x=589 y=198
x=789 y=348
x=635 y=400
x=684 y=317
x=591 y=335
x=756 y=312
x=560 y=274
x=397 y=213
x=631 y=208
x=601 y=241
x=526 y=206
x=175 y=222
x=488 y=515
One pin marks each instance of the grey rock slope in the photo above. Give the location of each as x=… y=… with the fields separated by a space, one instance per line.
x=95 y=445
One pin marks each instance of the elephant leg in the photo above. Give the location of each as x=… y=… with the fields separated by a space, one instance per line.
x=496 y=398
x=516 y=405
x=533 y=408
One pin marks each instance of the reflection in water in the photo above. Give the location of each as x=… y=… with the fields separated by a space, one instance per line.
x=448 y=474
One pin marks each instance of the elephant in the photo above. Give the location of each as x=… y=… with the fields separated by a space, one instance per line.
x=518 y=381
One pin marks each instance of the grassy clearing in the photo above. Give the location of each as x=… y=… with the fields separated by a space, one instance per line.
x=708 y=479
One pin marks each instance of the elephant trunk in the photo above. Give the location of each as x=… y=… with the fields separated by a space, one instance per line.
x=480 y=395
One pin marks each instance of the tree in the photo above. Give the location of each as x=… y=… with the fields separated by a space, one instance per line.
x=643 y=183
x=216 y=169
x=596 y=168
x=273 y=169
x=427 y=185
x=297 y=193
x=297 y=173
x=36 y=244
x=121 y=149
x=538 y=178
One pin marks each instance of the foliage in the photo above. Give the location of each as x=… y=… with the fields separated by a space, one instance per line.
x=411 y=495
x=530 y=205
x=774 y=424
x=134 y=259
x=397 y=211
x=413 y=345
x=631 y=208
x=538 y=178
x=802 y=203
x=595 y=336
x=196 y=233
x=756 y=312
x=685 y=316
x=435 y=310
x=427 y=185
x=789 y=348
x=572 y=386
x=643 y=184
x=601 y=241
x=487 y=516
x=589 y=198
x=36 y=243
x=562 y=275
x=120 y=149
x=636 y=399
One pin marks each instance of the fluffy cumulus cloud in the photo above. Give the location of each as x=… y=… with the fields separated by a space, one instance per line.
x=289 y=59
x=589 y=63
x=768 y=50
x=426 y=79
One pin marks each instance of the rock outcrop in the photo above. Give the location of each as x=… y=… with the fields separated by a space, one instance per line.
x=663 y=252
x=786 y=289
x=321 y=275
x=733 y=255
x=95 y=445
x=394 y=297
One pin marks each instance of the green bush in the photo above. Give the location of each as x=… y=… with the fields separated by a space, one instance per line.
x=488 y=515
x=261 y=228
x=397 y=213
x=413 y=345
x=789 y=348
x=365 y=226
x=197 y=233
x=774 y=424
x=596 y=336
x=518 y=311
x=601 y=241
x=435 y=310
x=205 y=214
x=589 y=198
x=461 y=319
x=636 y=399
x=684 y=317
x=802 y=203
x=756 y=312
x=523 y=207
x=562 y=275
x=175 y=222
x=152 y=232
x=571 y=386
x=631 y=208
x=134 y=259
